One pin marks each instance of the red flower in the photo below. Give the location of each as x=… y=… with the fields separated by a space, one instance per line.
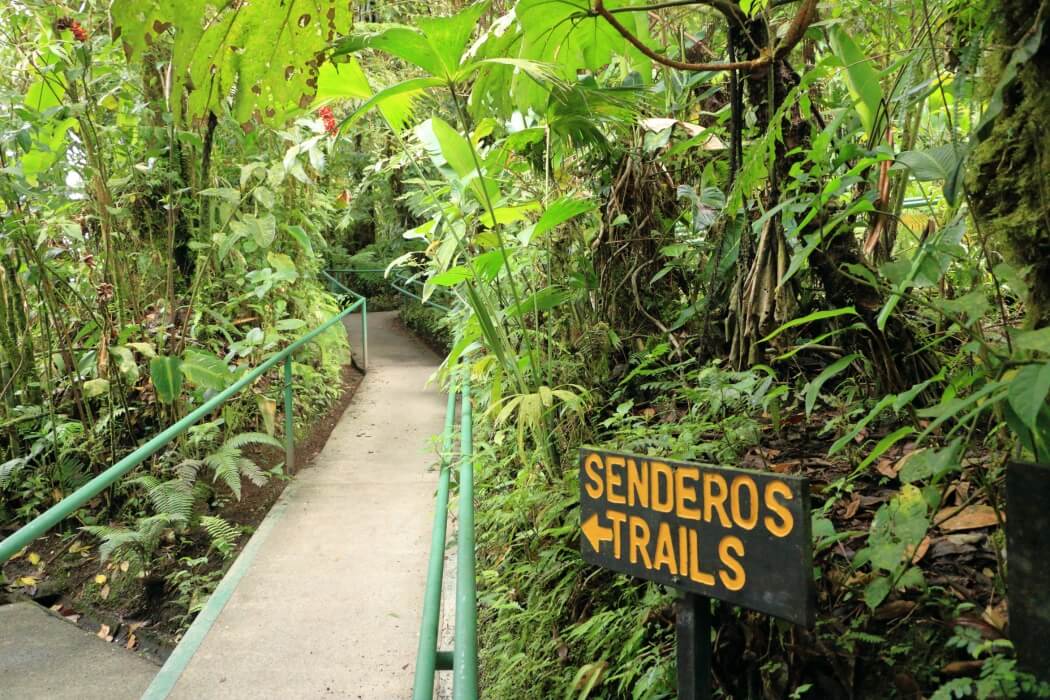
x=79 y=32
x=329 y=120
x=72 y=25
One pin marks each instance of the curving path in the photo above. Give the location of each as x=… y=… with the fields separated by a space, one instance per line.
x=329 y=606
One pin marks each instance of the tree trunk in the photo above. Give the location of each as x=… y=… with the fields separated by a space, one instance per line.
x=1008 y=178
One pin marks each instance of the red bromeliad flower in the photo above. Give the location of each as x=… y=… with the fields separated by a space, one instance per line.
x=329 y=120
x=72 y=25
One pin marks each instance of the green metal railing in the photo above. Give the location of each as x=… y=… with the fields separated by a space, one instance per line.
x=40 y=525
x=463 y=659
x=397 y=282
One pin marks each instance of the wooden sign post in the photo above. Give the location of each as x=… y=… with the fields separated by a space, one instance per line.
x=1029 y=567
x=736 y=535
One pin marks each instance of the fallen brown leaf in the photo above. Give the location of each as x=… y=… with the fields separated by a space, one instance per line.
x=996 y=615
x=956 y=669
x=103 y=633
x=887 y=468
x=971 y=517
x=921 y=550
x=784 y=467
x=894 y=609
x=852 y=507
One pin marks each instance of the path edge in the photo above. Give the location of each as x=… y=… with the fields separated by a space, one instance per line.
x=180 y=657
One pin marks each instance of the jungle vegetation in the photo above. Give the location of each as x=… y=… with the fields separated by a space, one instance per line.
x=806 y=236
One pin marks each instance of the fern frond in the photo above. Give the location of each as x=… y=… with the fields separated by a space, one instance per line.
x=251 y=471
x=187 y=470
x=223 y=534
x=113 y=538
x=10 y=468
x=244 y=439
x=225 y=462
x=174 y=497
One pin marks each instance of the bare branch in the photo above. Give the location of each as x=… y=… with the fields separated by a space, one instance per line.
x=799 y=23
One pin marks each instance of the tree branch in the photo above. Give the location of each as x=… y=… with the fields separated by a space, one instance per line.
x=801 y=21
x=599 y=9
x=731 y=11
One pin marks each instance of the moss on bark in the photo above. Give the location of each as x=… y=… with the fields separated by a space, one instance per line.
x=1008 y=176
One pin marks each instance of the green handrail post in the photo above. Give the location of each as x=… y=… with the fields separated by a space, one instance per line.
x=465 y=651
x=289 y=418
x=426 y=658
x=364 y=334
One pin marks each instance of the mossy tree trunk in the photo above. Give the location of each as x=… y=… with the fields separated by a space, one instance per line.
x=1008 y=177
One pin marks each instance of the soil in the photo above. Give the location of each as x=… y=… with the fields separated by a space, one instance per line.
x=136 y=611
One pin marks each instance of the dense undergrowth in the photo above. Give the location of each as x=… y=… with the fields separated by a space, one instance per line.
x=803 y=237
x=147 y=264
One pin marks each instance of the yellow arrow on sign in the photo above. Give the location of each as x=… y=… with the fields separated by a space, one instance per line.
x=595 y=533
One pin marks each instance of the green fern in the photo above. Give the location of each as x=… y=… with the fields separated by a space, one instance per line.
x=228 y=463
x=138 y=543
x=174 y=497
x=245 y=439
x=223 y=534
x=10 y=469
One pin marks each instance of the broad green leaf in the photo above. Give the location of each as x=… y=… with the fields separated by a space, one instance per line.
x=205 y=370
x=861 y=78
x=450 y=277
x=227 y=193
x=930 y=465
x=1027 y=392
x=395 y=102
x=449 y=36
x=435 y=44
x=166 y=373
x=543 y=300
x=809 y=318
x=944 y=162
x=148 y=350
x=299 y=234
x=125 y=361
x=813 y=388
x=558 y=212
x=1037 y=340
x=261 y=56
x=49 y=141
x=264 y=196
x=565 y=38
x=876 y=591
x=262 y=229
x=95 y=387
x=283 y=267
x=487 y=265
x=290 y=324
x=508 y=214
x=447 y=146
x=342 y=80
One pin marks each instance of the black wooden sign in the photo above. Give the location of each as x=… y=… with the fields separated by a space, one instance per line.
x=1029 y=596
x=737 y=535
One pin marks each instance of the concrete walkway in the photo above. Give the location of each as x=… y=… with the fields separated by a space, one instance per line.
x=331 y=605
x=42 y=656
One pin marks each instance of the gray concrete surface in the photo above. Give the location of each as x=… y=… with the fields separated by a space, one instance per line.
x=42 y=656
x=330 y=608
